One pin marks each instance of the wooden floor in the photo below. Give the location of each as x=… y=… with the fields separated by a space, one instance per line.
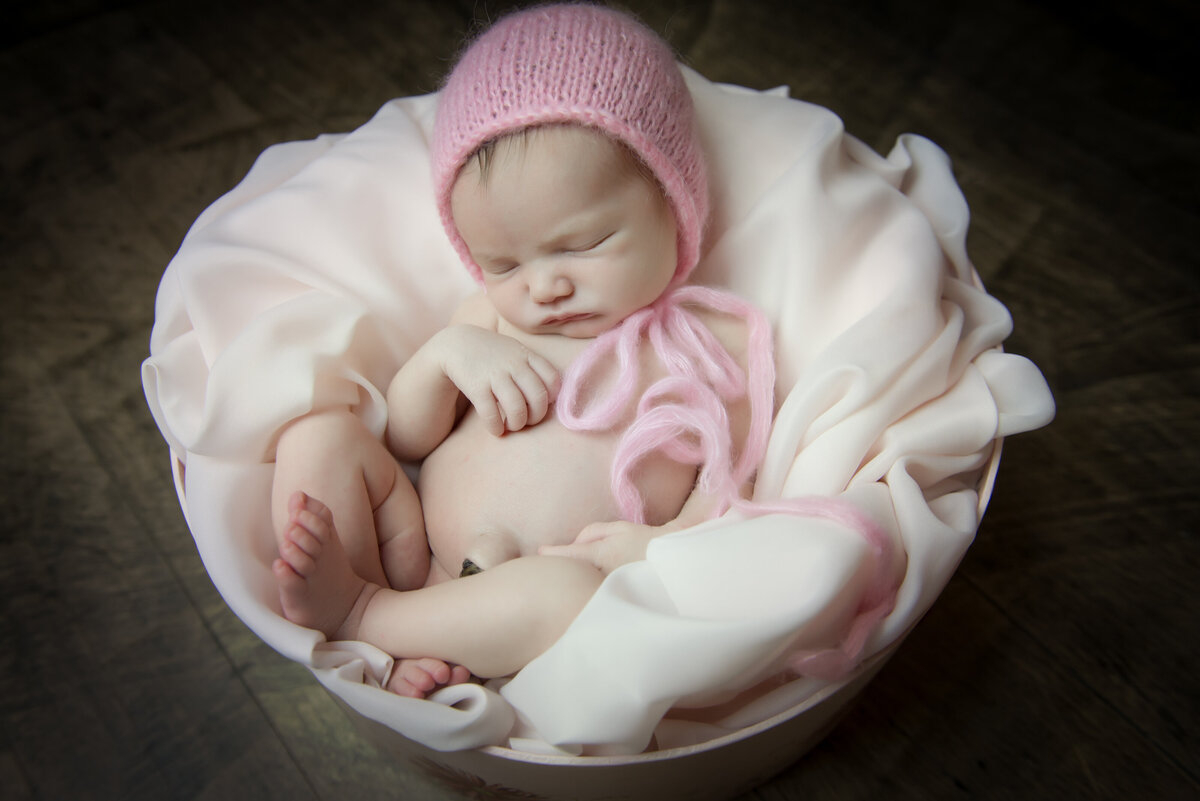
x=1061 y=662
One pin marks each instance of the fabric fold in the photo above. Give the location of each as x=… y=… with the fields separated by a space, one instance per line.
x=313 y=280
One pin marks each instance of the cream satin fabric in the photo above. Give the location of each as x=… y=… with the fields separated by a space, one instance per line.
x=317 y=276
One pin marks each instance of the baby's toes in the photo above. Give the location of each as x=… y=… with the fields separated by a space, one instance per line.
x=317 y=527
x=404 y=688
x=303 y=539
x=410 y=679
x=319 y=509
x=309 y=513
x=285 y=575
x=436 y=669
x=296 y=557
x=416 y=678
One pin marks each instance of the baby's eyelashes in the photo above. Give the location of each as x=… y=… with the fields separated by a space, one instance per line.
x=499 y=267
x=589 y=245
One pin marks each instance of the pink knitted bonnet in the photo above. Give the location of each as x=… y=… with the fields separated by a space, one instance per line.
x=575 y=63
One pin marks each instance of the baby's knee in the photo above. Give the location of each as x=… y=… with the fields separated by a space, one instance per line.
x=328 y=431
x=318 y=454
x=329 y=445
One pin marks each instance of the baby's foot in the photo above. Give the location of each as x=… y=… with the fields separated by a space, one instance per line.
x=317 y=587
x=416 y=678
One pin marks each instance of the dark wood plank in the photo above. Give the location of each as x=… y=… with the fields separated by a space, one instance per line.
x=108 y=664
x=989 y=717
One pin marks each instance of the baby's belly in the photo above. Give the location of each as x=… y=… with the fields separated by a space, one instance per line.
x=539 y=486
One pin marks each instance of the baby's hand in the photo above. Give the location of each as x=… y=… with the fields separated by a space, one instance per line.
x=607 y=546
x=509 y=385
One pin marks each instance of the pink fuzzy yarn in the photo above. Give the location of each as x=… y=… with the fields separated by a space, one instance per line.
x=876 y=602
x=581 y=64
x=682 y=415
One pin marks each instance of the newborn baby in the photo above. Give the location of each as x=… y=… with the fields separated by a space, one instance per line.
x=565 y=414
x=571 y=237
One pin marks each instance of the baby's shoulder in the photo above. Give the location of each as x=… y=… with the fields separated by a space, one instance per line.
x=732 y=331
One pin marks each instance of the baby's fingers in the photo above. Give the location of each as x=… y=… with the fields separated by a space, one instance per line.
x=547 y=373
x=594 y=532
x=598 y=554
x=585 y=552
x=537 y=395
x=483 y=399
x=510 y=398
x=539 y=382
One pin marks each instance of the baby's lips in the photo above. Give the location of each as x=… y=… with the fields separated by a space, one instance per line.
x=564 y=319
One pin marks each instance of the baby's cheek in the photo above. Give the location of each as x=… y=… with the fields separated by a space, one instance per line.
x=654 y=280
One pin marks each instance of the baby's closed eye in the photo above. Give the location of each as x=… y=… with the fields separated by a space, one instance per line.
x=588 y=244
x=499 y=266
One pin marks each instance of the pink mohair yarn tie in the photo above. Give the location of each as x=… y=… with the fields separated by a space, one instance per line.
x=683 y=416
x=877 y=600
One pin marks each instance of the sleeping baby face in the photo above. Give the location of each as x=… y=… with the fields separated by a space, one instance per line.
x=570 y=235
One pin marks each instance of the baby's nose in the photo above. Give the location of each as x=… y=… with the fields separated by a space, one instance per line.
x=549 y=285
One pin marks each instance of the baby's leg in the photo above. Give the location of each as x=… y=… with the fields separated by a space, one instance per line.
x=399 y=523
x=493 y=623
x=331 y=455
x=318 y=589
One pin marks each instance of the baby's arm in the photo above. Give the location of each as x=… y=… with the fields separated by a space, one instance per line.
x=610 y=544
x=466 y=362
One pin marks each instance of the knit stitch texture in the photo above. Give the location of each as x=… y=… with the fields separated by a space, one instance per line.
x=581 y=64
